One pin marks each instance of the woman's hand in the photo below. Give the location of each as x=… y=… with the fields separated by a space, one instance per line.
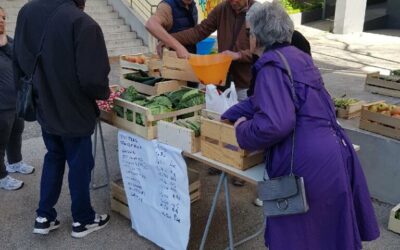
x=240 y=120
x=235 y=55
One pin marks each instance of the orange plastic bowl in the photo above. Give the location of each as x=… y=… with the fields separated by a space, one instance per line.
x=211 y=69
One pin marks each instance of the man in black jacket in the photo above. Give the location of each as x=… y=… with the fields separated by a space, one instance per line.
x=71 y=74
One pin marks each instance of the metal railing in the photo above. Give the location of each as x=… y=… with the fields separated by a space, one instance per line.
x=145 y=7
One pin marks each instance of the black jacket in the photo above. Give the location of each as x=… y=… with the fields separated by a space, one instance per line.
x=8 y=93
x=73 y=70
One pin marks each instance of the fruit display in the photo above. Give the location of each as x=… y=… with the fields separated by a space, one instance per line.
x=386 y=109
x=107 y=105
x=135 y=59
x=344 y=103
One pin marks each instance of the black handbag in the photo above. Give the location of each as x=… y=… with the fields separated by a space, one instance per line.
x=284 y=195
x=26 y=106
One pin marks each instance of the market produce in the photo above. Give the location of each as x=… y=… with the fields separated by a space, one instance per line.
x=344 y=103
x=107 y=105
x=142 y=77
x=190 y=124
x=396 y=72
x=386 y=109
x=135 y=59
x=160 y=104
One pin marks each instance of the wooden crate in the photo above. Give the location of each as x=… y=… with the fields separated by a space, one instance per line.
x=152 y=64
x=394 y=224
x=176 y=68
x=352 y=111
x=218 y=142
x=119 y=202
x=107 y=117
x=179 y=137
x=376 y=85
x=158 y=89
x=149 y=129
x=379 y=123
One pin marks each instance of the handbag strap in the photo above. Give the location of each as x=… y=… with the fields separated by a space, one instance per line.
x=35 y=64
x=292 y=89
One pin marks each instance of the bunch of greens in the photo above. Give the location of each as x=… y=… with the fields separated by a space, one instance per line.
x=190 y=124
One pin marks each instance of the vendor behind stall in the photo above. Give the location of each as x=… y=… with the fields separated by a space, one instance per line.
x=173 y=16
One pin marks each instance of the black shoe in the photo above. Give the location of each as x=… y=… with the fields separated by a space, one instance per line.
x=79 y=230
x=44 y=226
x=214 y=171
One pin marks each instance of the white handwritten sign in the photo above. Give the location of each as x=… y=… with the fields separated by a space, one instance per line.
x=156 y=184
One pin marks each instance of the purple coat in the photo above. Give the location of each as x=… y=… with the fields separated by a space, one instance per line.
x=341 y=213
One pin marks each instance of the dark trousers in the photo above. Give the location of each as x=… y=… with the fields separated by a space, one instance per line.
x=11 y=128
x=77 y=152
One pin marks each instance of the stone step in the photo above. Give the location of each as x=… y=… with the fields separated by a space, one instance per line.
x=123 y=43
x=119 y=35
x=127 y=51
x=115 y=28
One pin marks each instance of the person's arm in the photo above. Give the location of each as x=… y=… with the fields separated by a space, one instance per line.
x=156 y=26
x=275 y=115
x=244 y=56
x=242 y=109
x=92 y=63
x=201 y=31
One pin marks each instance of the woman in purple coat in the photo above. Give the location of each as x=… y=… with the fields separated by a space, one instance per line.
x=341 y=215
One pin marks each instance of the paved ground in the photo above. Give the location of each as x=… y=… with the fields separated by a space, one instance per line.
x=343 y=61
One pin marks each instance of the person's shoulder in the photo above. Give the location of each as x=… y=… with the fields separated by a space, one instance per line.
x=83 y=20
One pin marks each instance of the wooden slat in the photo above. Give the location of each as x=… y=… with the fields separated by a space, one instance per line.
x=380 y=118
x=382 y=91
x=158 y=89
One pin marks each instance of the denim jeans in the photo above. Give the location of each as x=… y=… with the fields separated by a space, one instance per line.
x=11 y=128
x=77 y=152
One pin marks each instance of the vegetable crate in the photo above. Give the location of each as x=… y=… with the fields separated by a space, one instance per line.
x=218 y=142
x=149 y=129
x=384 y=85
x=149 y=63
x=351 y=111
x=158 y=89
x=119 y=202
x=179 y=137
x=107 y=116
x=394 y=223
x=176 y=68
x=379 y=123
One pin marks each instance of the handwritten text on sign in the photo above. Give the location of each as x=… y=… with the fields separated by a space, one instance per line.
x=156 y=184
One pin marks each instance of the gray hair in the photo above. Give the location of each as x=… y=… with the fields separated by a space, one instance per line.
x=270 y=23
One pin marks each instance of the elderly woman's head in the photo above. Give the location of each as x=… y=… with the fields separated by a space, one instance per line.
x=269 y=23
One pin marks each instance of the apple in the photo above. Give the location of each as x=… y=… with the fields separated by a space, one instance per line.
x=383 y=107
x=373 y=108
x=396 y=116
x=395 y=111
x=386 y=112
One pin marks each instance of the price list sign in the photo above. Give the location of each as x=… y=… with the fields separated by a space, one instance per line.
x=157 y=188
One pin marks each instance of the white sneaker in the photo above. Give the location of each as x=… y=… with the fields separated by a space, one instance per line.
x=258 y=202
x=20 y=167
x=9 y=183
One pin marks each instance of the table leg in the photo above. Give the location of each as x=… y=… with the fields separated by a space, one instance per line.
x=211 y=214
x=228 y=213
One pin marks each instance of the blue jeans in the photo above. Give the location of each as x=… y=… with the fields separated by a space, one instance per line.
x=77 y=152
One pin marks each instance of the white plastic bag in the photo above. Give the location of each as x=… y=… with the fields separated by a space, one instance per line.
x=220 y=103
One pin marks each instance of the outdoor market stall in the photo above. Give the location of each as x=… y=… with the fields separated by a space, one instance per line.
x=154 y=173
